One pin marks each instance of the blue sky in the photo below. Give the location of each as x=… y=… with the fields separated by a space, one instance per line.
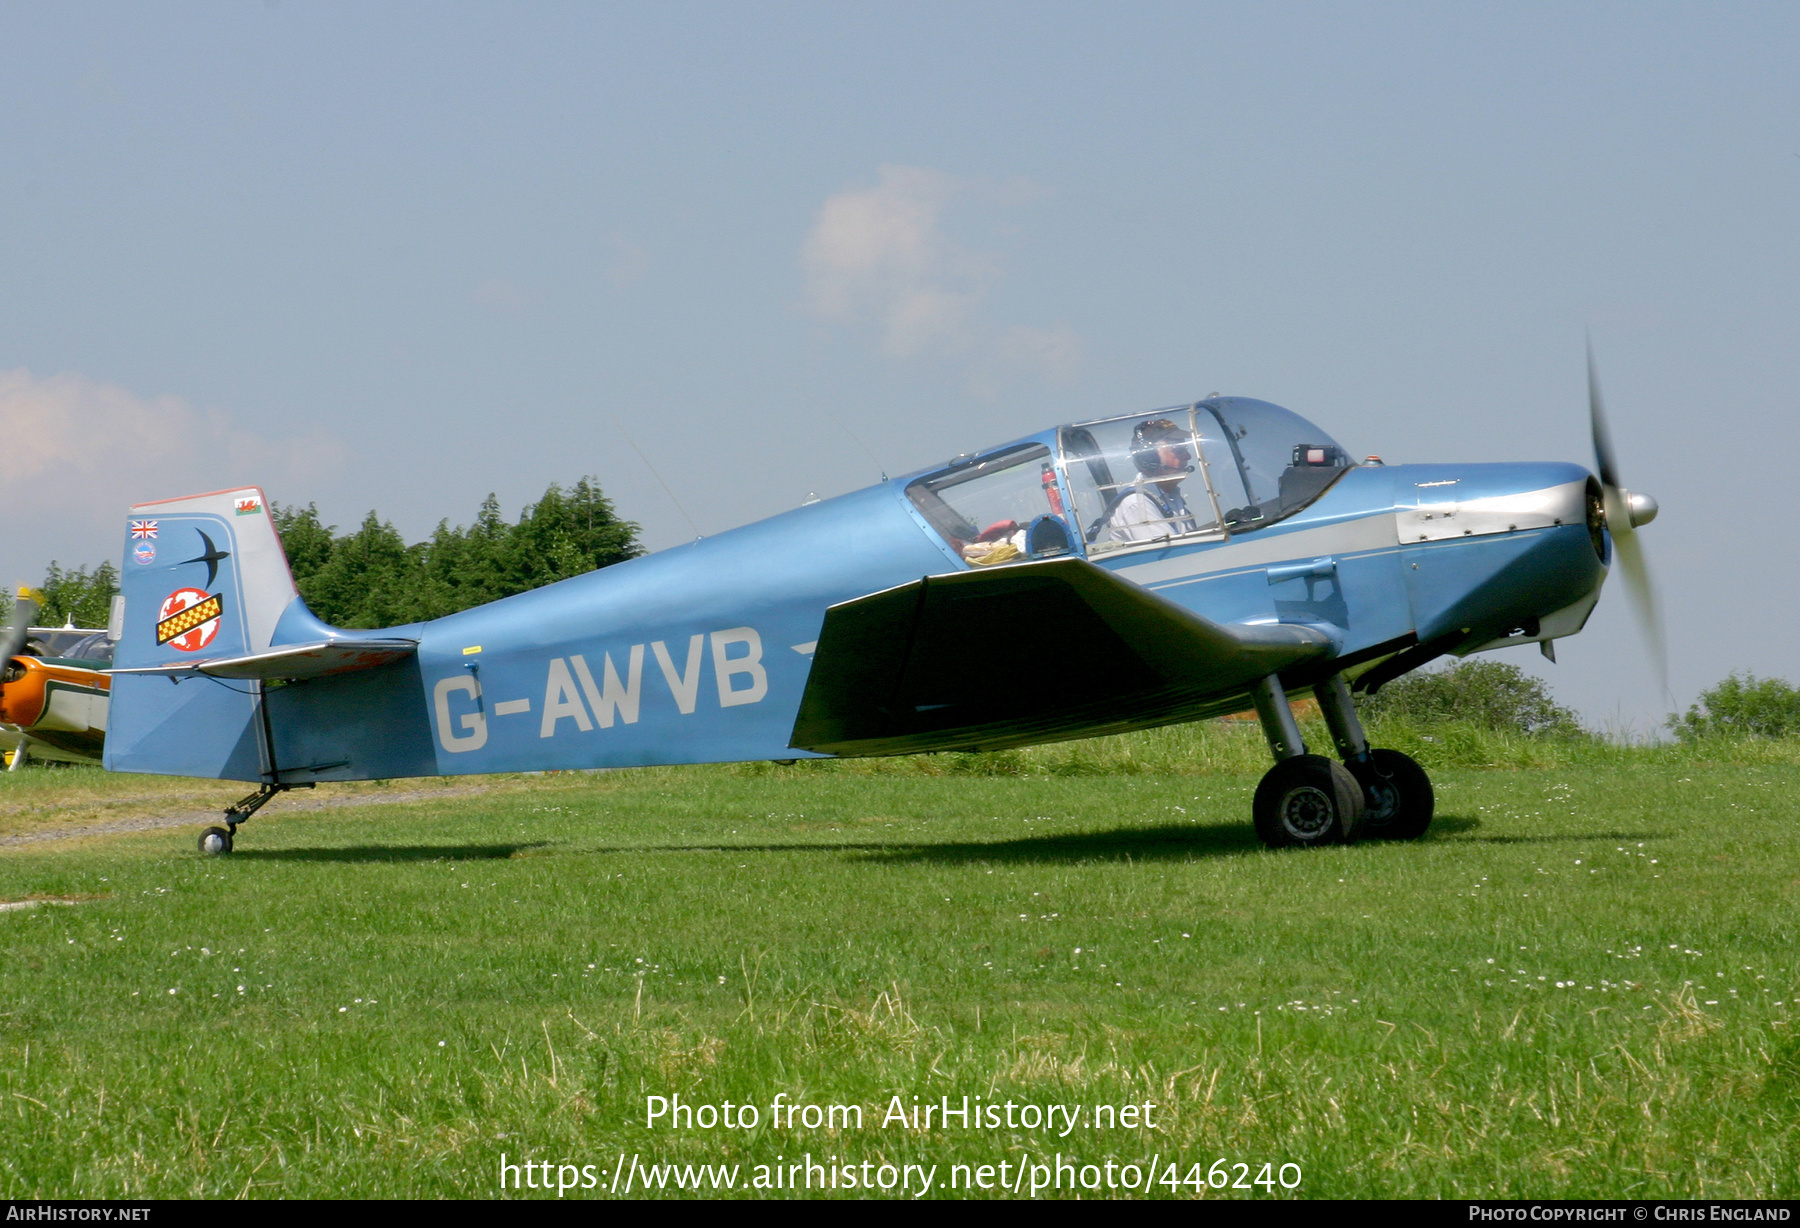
x=398 y=256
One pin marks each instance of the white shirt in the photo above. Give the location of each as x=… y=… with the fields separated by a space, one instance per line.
x=1140 y=517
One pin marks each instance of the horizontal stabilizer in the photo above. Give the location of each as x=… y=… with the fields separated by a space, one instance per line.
x=293 y=662
x=1023 y=654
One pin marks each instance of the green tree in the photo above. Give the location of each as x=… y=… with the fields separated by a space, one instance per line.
x=586 y=517
x=463 y=567
x=1742 y=707
x=80 y=596
x=372 y=578
x=368 y=579
x=1491 y=694
x=308 y=542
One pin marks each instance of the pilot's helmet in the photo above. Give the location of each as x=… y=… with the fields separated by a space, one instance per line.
x=1160 y=449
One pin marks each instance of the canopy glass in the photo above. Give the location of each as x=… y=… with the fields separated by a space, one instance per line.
x=1209 y=470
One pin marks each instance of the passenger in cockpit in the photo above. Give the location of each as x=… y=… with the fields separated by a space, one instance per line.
x=1153 y=506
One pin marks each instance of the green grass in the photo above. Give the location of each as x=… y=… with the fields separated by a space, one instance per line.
x=427 y=986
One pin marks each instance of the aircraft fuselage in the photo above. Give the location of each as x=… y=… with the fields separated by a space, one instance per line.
x=701 y=653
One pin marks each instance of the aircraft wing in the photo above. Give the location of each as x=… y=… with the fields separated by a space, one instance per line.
x=1024 y=654
x=292 y=662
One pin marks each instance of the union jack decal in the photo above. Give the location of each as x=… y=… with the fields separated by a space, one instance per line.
x=143 y=528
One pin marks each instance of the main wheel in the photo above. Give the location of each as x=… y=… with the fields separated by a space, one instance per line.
x=1308 y=800
x=1397 y=794
x=214 y=841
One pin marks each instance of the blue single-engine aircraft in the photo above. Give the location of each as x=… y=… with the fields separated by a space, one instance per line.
x=1093 y=578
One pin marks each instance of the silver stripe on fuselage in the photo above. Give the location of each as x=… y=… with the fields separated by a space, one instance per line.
x=1377 y=533
x=1365 y=535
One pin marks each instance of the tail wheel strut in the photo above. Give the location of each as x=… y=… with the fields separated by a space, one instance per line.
x=217 y=840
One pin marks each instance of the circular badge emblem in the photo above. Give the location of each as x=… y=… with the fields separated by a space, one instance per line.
x=188 y=619
x=144 y=552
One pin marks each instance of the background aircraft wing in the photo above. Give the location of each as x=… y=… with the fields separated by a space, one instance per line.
x=1024 y=654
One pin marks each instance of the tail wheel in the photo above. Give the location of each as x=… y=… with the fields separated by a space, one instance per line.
x=1308 y=800
x=215 y=841
x=1398 y=797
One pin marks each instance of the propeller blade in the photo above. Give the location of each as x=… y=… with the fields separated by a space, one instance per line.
x=1604 y=462
x=12 y=638
x=1636 y=569
x=1618 y=501
x=1627 y=550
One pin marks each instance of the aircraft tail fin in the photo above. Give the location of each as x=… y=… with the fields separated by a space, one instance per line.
x=204 y=576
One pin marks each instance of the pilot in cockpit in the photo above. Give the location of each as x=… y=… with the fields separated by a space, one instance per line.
x=1152 y=506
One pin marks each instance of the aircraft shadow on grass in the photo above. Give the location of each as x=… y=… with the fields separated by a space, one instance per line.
x=1164 y=842
x=395 y=852
x=1137 y=844
x=1571 y=838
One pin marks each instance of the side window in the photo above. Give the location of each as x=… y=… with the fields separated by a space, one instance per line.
x=997 y=509
x=1143 y=479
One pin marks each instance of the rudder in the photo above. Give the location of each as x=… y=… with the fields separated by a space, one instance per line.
x=204 y=576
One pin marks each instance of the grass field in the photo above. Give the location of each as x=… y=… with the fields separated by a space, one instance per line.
x=1581 y=983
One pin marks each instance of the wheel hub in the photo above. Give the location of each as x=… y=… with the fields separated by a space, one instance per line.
x=1307 y=812
x=1383 y=801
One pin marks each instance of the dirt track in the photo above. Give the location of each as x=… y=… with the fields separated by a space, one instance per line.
x=201 y=818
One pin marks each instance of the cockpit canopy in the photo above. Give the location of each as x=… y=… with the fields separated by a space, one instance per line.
x=1210 y=470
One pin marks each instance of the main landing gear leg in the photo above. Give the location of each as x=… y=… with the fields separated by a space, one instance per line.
x=217 y=840
x=1397 y=795
x=1304 y=800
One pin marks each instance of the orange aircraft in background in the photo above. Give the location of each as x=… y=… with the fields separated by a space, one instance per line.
x=53 y=689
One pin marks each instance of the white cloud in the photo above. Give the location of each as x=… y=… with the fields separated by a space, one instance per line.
x=879 y=258
x=75 y=453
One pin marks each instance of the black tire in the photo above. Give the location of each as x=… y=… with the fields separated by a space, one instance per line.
x=215 y=841
x=1397 y=796
x=1308 y=800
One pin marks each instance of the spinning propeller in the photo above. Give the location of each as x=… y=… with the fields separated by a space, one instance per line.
x=1625 y=511
x=12 y=639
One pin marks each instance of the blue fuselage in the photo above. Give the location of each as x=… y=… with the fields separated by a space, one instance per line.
x=701 y=653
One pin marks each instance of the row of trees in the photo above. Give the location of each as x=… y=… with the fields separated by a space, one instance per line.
x=1503 y=698
x=1491 y=694
x=371 y=577
x=1742 y=707
x=81 y=597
